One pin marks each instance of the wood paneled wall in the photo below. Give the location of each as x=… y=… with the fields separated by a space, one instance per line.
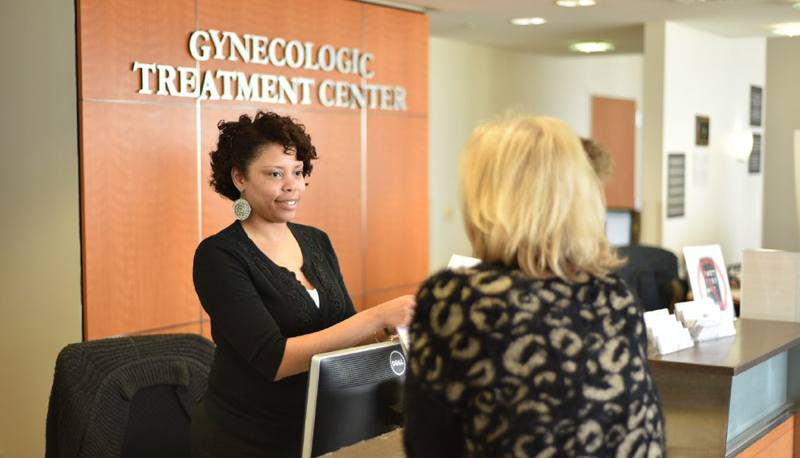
x=146 y=203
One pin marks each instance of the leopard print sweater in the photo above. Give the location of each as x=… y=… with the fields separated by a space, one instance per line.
x=503 y=365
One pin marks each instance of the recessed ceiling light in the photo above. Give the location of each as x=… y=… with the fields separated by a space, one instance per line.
x=796 y=6
x=574 y=3
x=528 y=21
x=787 y=30
x=592 y=46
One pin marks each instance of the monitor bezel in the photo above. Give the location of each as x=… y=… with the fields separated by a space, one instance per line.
x=313 y=387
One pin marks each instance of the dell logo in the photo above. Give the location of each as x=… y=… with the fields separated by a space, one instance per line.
x=397 y=362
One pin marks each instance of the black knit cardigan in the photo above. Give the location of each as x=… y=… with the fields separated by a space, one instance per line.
x=95 y=382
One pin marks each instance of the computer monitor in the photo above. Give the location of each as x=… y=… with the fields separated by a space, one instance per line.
x=353 y=395
x=622 y=227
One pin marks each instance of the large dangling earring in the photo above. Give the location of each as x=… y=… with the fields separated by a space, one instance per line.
x=241 y=208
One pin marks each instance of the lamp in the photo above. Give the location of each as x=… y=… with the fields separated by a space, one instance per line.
x=741 y=143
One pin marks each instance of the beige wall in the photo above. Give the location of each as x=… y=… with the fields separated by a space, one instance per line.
x=782 y=118
x=471 y=83
x=40 y=297
x=718 y=86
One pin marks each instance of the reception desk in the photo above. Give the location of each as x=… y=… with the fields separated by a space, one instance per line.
x=722 y=398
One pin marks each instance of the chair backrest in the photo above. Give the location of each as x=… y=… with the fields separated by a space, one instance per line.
x=127 y=397
x=652 y=275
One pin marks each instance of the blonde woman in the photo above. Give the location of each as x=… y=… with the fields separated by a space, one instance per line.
x=540 y=350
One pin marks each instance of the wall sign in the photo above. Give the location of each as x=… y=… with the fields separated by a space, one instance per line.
x=676 y=184
x=754 y=162
x=756 y=97
x=190 y=82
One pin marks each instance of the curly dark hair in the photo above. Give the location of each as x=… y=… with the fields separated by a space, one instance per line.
x=240 y=142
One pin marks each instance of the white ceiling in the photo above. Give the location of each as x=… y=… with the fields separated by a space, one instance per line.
x=618 y=21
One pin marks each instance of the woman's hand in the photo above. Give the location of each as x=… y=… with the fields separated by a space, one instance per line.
x=397 y=312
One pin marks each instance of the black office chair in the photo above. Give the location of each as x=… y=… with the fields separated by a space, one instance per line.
x=127 y=397
x=652 y=275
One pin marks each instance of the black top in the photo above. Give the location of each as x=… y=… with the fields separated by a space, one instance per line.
x=506 y=365
x=255 y=305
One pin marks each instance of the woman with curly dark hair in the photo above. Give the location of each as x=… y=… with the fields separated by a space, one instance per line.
x=274 y=292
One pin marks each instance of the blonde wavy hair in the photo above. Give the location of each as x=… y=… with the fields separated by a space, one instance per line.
x=530 y=199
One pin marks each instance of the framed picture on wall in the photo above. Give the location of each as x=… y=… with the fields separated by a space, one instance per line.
x=701 y=130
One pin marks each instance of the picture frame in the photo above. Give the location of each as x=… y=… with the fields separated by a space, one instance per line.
x=701 y=131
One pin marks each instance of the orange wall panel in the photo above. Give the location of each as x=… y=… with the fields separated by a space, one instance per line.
x=115 y=33
x=778 y=443
x=399 y=40
x=332 y=202
x=379 y=297
x=139 y=216
x=397 y=203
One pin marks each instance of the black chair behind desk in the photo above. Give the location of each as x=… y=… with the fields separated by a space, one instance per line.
x=652 y=274
x=127 y=397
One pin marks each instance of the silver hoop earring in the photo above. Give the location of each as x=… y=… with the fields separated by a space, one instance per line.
x=241 y=209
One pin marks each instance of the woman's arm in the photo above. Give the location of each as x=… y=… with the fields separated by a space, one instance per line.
x=299 y=350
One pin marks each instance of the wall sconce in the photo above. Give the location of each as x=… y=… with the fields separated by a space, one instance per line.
x=741 y=143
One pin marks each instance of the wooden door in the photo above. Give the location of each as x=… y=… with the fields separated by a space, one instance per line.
x=614 y=125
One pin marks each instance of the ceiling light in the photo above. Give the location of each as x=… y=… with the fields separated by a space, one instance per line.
x=796 y=6
x=787 y=30
x=574 y=3
x=592 y=46
x=528 y=21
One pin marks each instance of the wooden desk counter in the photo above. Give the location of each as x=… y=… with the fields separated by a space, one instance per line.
x=389 y=445
x=755 y=342
x=695 y=384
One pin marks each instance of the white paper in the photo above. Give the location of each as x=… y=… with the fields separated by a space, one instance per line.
x=458 y=261
x=405 y=339
x=700 y=168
